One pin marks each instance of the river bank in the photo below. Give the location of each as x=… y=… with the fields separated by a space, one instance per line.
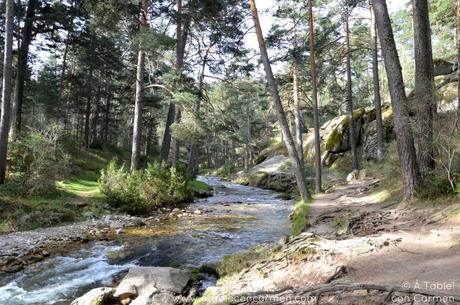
x=234 y=219
x=357 y=251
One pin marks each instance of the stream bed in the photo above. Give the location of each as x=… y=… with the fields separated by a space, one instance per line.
x=234 y=219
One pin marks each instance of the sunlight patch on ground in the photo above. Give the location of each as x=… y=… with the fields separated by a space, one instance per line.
x=84 y=186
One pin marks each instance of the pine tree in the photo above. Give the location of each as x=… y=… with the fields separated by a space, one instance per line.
x=287 y=136
x=7 y=87
x=318 y=177
x=425 y=92
x=404 y=138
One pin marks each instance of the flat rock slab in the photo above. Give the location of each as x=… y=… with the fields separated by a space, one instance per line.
x=143 y=281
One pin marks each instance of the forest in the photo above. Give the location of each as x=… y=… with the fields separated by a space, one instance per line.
x=229 y=152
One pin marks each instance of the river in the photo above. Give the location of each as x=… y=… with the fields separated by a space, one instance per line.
x=234 y=219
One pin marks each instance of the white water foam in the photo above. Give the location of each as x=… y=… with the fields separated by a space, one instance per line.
x=64 y=276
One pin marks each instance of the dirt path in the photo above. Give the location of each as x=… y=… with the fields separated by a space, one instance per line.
x=421 y=246
x=397 y=252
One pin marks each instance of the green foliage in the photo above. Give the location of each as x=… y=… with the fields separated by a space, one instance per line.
x=299 y=218
x=37 y=160
x=138 y=192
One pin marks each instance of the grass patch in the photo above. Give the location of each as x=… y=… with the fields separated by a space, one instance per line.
x=235 y=263
x=76 y=197
x=86 y=185
x=299 y=218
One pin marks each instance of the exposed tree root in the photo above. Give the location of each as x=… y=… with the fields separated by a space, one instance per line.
x=315 y=293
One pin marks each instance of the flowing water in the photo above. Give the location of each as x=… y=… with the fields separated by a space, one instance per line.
x=235 y=218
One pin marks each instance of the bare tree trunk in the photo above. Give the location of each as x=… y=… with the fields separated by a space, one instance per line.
x=22 y=67
x=351 y=124
x=137 y=124
x=297 y=109
x=150 y=145
x=458 y=56
x=318 y=175
x=97 y=110
x=175 y=142
x=166 y=143
x=192 y=167
x=298 y=167
x=7 y=87
x=424 y=85
x=182 y=34
x=376 y=83
x=105 y=129
x=404 y=138
x=88 y=106
x=64 y=67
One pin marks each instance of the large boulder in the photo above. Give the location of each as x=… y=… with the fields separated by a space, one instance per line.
x=369 y=139
x=336 y=130
x=97 y=296
x=153 y=285
x=447 y=95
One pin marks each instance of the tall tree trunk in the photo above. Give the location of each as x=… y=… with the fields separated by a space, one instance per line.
x=182 y=34
x=175 y=154
x=88 y=106
x=351 y=124
x=137 y=124
x=7 y=87
x=376 y=88
x=95 y=120
x=105 y=129
x=166 y=143
x=318 y=175
x=424 y=85
x=404 y=138
x=192 y=167
x=150 y=145
x=289 y=142
x=297 y=109
x=458 y=56
x=22 y=67
x=64 y=67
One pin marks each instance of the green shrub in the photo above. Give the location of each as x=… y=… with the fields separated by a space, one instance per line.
x=138 y=192
x=37 y=160
x=434 y=186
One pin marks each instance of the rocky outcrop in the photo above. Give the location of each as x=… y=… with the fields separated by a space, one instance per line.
x=335 y=134
x=275 y=173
